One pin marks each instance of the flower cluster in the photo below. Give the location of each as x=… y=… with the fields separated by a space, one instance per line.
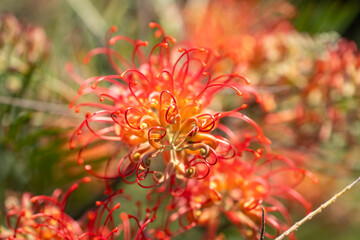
x=309 y=89
x=44 y=217
x=239 y=33
x=159 y=108
x=21 y=46
x=174 y=130
x=41 y=217
x=239 y=189
x=169 y=140
x=307 y=85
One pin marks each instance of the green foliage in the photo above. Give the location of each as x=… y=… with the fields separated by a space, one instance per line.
x=325 y=16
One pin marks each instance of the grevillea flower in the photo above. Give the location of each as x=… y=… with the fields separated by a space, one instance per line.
x=158 y=107
x=237 y=189
x=238 y=33
x=327 y=100
x=308 y=83
x=42 y=217
x=28 y=45
x=313 y=102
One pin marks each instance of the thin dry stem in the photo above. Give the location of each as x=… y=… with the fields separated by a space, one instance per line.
x=54 y=108
x=317 y=211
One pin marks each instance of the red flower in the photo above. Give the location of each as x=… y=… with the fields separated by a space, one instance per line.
x=239 y=32
x=237 y=189
x=158 y=107
x=42 y=217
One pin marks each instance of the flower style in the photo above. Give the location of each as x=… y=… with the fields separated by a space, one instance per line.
x=238 y=189
x=157 y=107
x=103 y=222
x=108 y=222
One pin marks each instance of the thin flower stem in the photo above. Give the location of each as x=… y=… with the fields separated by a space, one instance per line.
x=41 y=106
x=262 y=233
x=317 y=211
x=173 y=157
